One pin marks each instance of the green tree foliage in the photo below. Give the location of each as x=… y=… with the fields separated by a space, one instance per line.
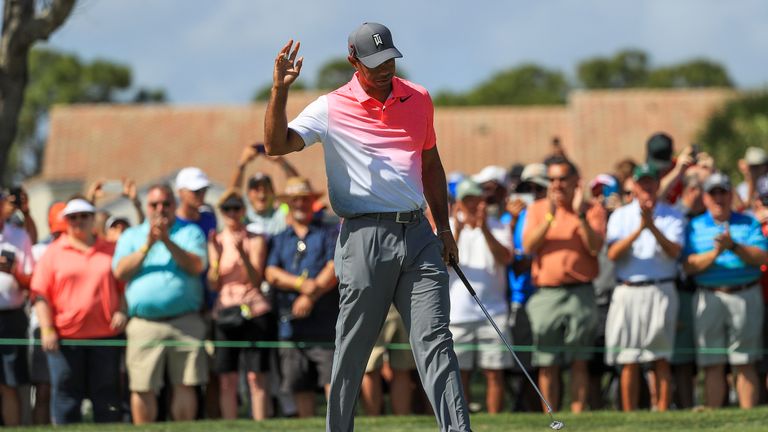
x=334 y=74
x=528 y=84
x=691 y=74
x=741 y=123
x=628 y=68
x=262 y=93
x=631 y=69
x=62 y=78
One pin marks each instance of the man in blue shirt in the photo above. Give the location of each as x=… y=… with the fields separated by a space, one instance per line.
x=724 y=250
x=161 y=260
x=300 y=266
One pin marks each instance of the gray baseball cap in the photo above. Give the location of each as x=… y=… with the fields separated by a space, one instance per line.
x=717 y=180
x=372 y=44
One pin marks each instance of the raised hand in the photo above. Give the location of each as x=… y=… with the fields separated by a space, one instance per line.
x=129 y=188
x=287 y=67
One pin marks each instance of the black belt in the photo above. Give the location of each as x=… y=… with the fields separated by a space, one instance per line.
x=403 y=217
x=647 y=282
x=731 y=288
x=568 y=285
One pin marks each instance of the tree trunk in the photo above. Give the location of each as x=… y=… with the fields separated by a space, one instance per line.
x=22 y=27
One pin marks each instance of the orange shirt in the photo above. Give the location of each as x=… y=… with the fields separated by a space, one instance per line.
x=80 y=288
x=563 y=258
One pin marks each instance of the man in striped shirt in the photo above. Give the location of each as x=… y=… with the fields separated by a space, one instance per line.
x=724 y=250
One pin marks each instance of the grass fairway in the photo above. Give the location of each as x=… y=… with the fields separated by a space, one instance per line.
x=731 y=420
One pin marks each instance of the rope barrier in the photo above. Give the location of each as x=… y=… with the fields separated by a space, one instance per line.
x=391 y=346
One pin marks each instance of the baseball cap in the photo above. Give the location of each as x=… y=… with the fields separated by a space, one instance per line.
x=756 y=156
x=192 y=178
x=77 y=205
x=259 y=179
x=491 y=173
x=717 y=180
x=645 y=170
x=466 y=188
x=535 y=173
x=372 y=44
x=56 y=222
x=117 y=219
x=659 y=150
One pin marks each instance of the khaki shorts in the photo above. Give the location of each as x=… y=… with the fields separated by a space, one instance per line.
x=393 y=332
x=728 y=322
x=641 y=322
x=146 y=359
x=563 y=323
x=487 y=350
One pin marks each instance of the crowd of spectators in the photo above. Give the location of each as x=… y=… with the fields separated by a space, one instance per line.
x=626 y=287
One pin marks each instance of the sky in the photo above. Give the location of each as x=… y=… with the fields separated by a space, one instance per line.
x=220 y=52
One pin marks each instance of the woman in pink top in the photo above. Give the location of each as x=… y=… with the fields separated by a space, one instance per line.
x=241 y=312
x=78 y=297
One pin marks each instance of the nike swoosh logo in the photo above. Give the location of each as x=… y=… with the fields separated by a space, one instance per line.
x=405 y=98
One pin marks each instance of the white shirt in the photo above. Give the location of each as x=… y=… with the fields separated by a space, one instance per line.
x=487 y=277
x=645 y=259
x=16 y=241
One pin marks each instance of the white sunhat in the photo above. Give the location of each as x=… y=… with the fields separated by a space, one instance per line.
x=491 y=173
x=192 y=178
x=77 y=205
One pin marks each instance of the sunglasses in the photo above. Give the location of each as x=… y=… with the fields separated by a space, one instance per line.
x=79 y=216
x=228 y=209
x=157 y=204
x=626 y=192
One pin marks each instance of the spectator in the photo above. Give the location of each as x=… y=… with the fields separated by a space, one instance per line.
x=300 y=266
x=116 y=226
x=605 y=190
x=484 y=252
x=127 y=188
x=724 y=251
x=38 y=363
x=533 y=187
x=624 y=169
x=761 y=214
x=683 y=360
x=192 y=184
x=162 y=260
x=78 y=297
x=752 y=167
x=15 y=272
x=564 y=234
x=241 y=312
x=660 y=152
x=266 y=218
x=493 y=180
x=401 y=364
x=645 y=238
x=17 y=211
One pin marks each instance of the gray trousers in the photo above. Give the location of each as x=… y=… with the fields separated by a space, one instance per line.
x=379 y=262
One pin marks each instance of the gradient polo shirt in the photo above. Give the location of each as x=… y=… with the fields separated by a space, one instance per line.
x=728 y=268
x=372 y=150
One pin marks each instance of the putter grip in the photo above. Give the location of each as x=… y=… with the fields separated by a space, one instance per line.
x=463 y=278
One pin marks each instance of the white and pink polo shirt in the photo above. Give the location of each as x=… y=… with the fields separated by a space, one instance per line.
x=372 y=150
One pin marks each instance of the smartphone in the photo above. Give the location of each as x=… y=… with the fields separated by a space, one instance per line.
x=15 y=195
x=9 y=256
x=112 y=187
x=259 y=148
x=695 y=152
x=527 y=198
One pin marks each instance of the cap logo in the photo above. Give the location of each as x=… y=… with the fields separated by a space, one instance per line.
x=377 y=40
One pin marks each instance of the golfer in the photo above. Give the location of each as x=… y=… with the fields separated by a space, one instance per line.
x=381 y=162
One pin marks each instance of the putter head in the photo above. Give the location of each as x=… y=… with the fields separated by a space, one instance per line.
x=557 y=425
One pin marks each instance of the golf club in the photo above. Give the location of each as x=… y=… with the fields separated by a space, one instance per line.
x=556 y=425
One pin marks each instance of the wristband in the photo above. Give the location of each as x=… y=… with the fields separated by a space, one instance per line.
x=447 y=230
x=144 y=249
x=47 y=330
x=549 y=217
x=300 y=280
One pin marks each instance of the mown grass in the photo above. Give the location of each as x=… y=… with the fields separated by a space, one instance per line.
x=732 y=420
